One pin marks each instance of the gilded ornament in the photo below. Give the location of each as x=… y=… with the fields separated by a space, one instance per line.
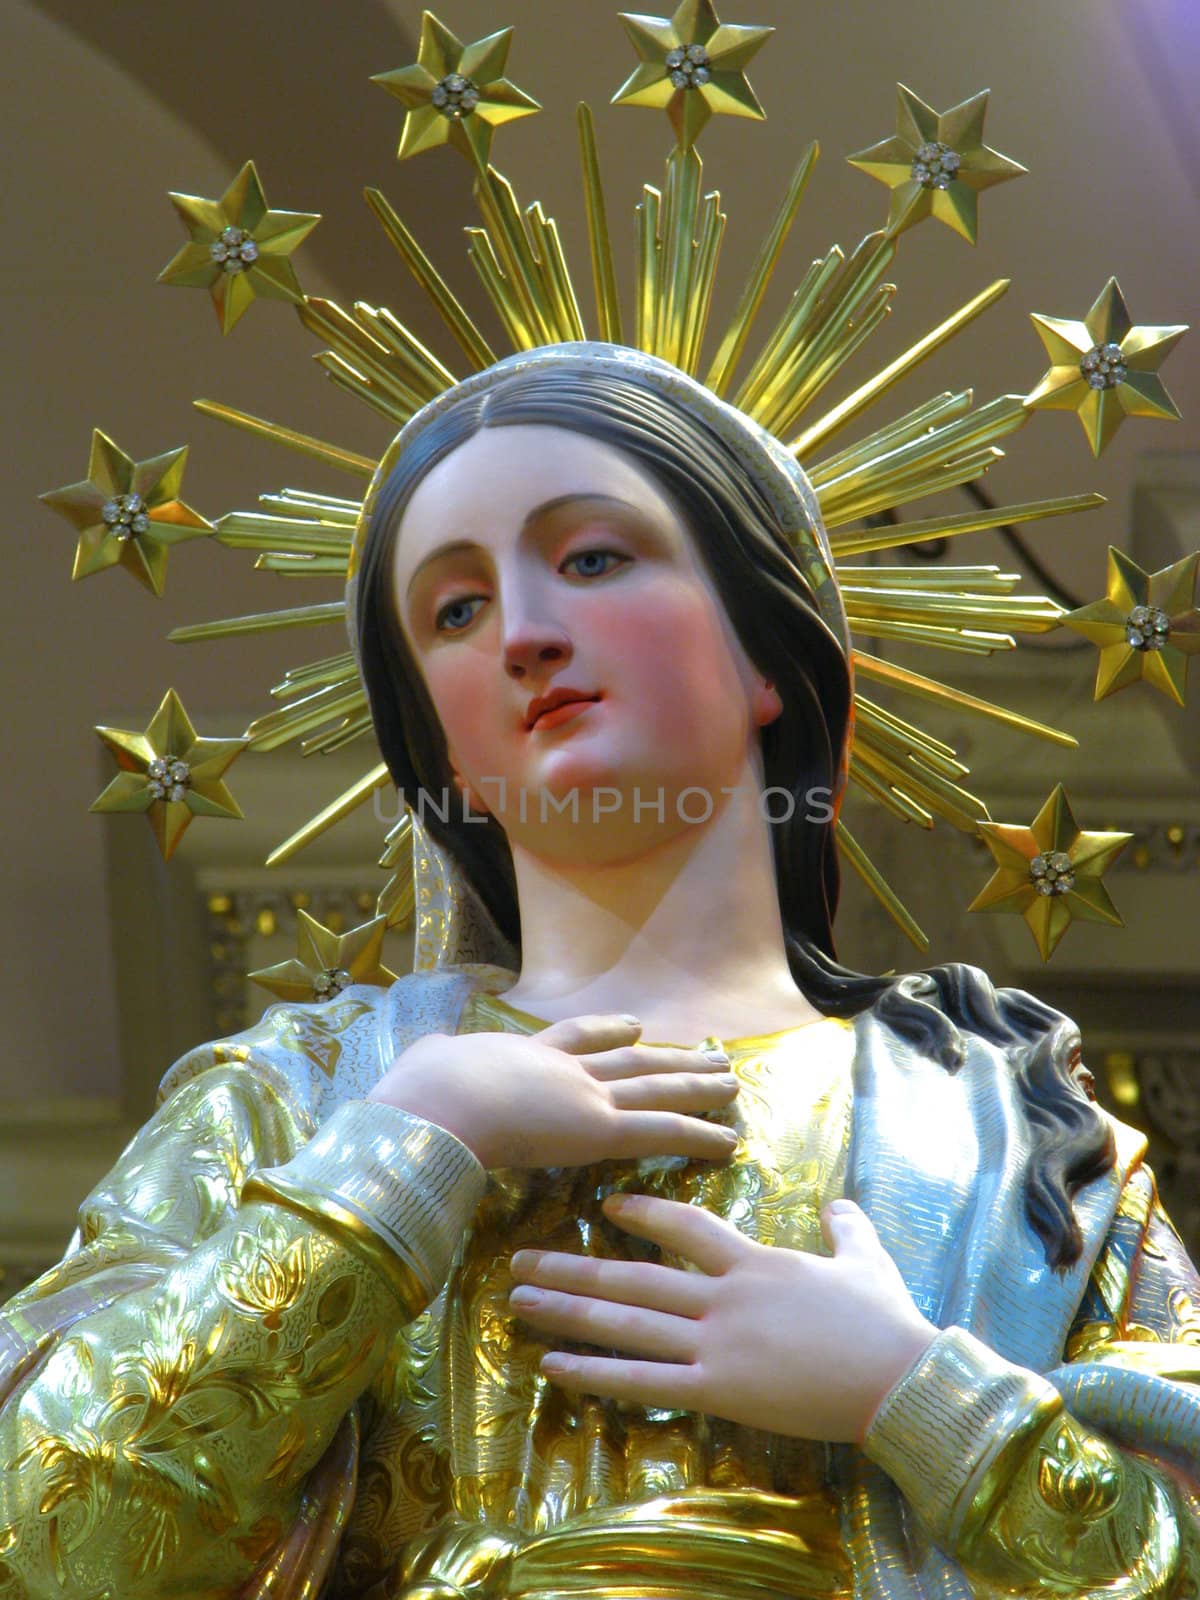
x=127 y=513
x=238 y=249
x=1147 y=625
x=692 y=65
x=169 y=773
x=456 y=94
x=262 y=1280
x=1050 y=872
x=325 y=962
x=1104 y=368
x=1079 y=1478
x=936 y=164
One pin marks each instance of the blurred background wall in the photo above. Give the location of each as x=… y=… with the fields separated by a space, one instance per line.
x=111 y=964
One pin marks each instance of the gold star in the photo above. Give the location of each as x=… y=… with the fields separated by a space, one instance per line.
x=326 y=963
x=1124 y=363
x=693 y=65
x=128 y=512
x=238 y=248
x=1066 y=862
x=944 y=182
x=169 y=773
x=455 y=93
x=1155 y=607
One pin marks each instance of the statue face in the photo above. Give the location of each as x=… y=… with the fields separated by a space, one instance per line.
x=531 y=559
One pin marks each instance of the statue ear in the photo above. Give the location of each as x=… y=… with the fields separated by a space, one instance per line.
x=767 y=704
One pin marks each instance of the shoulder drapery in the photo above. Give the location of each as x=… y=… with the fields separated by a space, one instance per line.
x=1049 y=1438
x=178 y=1394
x=1086 y=1479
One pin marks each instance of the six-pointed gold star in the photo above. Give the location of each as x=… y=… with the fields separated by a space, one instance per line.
x=1147 y=625
x=1104 y=368
x=169 y=773
x=693 y=65
x=455 y=93
x=128 y=512
x=1050 y=872
x=239 y=248
x=936 y=164
x=325 y=963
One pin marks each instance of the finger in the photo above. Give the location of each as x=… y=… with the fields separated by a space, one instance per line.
x=648 y=1383
x=645 y=1060
x=636 y=1283
x=848 y=1230
x=709 y=1242
x=603 y=1322
x=664 y=1133
x=692 y=1091
x=594 y=1031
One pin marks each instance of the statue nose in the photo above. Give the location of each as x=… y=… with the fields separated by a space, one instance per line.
x=532 y=644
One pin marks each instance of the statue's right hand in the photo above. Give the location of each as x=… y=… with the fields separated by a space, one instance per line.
x=581 y=1090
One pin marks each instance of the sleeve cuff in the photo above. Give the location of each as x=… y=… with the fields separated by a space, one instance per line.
x=950 y=1432
x=400 y=1190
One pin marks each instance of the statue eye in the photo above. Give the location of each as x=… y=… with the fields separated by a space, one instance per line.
x=455 y=605
x=443 y=621
x=586 y=555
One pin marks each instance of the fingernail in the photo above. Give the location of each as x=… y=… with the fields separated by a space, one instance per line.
x=524 y=1295
x=841 y=1207
x=616 y=1202
x=631 y=1022
x=554 y=1363
x=716 y=1055
x=727 y=1080
x=526 y=1260
x=731 y=1138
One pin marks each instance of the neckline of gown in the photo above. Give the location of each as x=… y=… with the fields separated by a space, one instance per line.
x=744 y=1043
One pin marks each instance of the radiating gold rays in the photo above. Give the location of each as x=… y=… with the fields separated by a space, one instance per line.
x=775 y=377
x=522 y=266
x=678 y=239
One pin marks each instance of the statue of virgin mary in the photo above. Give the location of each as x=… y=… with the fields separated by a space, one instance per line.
x=630 y=1245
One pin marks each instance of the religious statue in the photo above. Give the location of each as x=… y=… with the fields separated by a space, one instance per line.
x=630 y=1245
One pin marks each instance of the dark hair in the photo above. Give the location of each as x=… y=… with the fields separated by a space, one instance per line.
x=770 y=607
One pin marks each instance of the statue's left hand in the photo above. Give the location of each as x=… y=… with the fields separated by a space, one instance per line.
x=777 y=1339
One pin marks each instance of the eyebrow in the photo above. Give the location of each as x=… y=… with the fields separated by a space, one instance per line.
x=458 y=546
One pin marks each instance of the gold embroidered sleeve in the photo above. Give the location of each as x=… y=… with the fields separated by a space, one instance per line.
x=1085 y=1485
x=172 y=1382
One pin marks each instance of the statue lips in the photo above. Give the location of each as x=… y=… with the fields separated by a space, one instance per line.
x=559 y=705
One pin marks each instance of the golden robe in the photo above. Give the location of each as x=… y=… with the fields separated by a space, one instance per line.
x=278 y=1358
